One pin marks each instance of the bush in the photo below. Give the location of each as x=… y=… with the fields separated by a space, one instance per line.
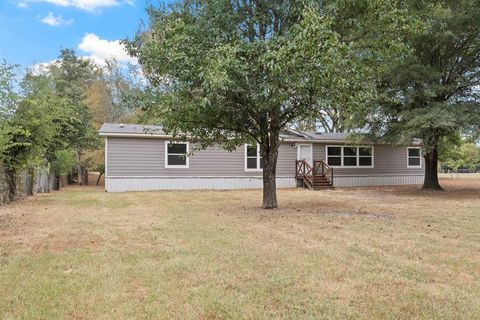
x=64 y=162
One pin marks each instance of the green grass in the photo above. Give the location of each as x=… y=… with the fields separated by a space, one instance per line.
x=390 y=253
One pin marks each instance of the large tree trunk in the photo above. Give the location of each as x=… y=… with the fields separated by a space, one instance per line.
x=269 y=152
x=80 y=174
x=431 y=171
x=12 y=183
x=85 y=176
x=270 y=185
x=57 y=182
x=31 y=181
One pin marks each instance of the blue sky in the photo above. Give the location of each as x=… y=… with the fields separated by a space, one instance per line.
x=34 y=31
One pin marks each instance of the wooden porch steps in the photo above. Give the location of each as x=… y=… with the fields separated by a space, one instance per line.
x=320 y=182
x=316 y=177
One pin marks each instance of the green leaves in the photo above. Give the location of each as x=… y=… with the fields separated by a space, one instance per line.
x=46 y=113
x=431 y=92
x=242 y=70
x=462 y=153
x=8 y=95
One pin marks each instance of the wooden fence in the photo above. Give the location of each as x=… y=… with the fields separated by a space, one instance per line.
x=41 y=181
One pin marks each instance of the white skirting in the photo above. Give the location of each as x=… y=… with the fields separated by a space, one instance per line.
x=383 y=180
x=122 y=184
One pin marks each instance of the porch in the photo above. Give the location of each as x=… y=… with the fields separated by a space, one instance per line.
x=318 y=176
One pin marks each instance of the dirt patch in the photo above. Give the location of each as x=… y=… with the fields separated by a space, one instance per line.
x=5 y=220
x=302 y=212
x=63 y=243
x=361 y=214
x=14 y=223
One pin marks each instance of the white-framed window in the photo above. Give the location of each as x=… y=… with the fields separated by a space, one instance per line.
x=176 y=154
x=365 y=156
x=334 y=155
x=253 y=160
x=414 y=157
x=350 y=156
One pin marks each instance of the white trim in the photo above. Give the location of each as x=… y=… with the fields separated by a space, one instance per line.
x=258 y=169
x=419 y=157
x=187 y=160
x=106 y=156
x=311 y=151
x=358 y=166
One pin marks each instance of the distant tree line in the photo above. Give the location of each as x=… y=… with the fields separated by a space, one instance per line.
x=49 y=119
x=460 y=155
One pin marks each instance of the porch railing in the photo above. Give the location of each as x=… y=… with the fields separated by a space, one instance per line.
x=305 y=172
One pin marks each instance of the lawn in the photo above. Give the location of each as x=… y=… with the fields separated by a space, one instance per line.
x=377 y=253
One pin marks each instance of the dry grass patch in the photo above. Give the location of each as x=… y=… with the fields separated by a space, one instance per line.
x=376 y=253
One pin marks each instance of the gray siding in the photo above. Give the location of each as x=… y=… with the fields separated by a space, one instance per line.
x=145 y=157
x=129 y=157
x=388 y=160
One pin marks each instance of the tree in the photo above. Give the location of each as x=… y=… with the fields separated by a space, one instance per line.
x=432 y=93
x=63 y=162
x=46 y=119
x=95 y=159
x=72 y=76
x=8 y=102
x=372 y=29
x=9 y=144
x=42 y=108
x=29 y=125
x=234 y=72
x=463 y=154
x=107 y=96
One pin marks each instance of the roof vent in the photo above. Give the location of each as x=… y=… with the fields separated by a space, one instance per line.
x=122 y=125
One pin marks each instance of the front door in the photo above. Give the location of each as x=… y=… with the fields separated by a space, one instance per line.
x=304 y=152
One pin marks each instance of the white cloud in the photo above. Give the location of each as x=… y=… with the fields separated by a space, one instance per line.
x=96 y=49
x=88 y=5
x=99 y=49
x=22 y=4
x=55 y=21
x=41 y=68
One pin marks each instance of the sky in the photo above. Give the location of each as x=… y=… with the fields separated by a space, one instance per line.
x=33 y=32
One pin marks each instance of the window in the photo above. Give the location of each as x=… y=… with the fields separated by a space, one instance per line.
x=253 y=161
x=334 y=157
x=349 y=156
x=414 y=158
x=176 y=155
x=365 y=156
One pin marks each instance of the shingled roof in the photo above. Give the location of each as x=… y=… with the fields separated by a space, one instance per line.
x=132 y=130
x=119 y=129
x=138 y=129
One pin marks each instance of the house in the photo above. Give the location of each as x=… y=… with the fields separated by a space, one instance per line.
x=142 y=157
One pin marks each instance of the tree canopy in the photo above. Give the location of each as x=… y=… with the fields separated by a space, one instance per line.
x=50 y=118
x=239 y=72
x=433 y=93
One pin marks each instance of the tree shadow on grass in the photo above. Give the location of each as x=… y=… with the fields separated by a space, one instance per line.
x=454 y=189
